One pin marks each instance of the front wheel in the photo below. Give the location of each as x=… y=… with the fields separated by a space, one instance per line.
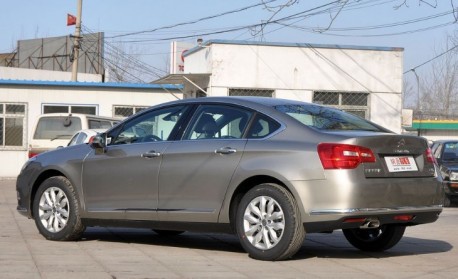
x=56 y=210
x=375 y=240
x=268 y=223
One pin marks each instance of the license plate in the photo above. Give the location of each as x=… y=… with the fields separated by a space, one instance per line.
x=400 y=163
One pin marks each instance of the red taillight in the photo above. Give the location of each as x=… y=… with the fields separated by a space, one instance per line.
x=32 y=154
x=91 y=139
x=343 y=156
x=403 y=217
x=429 y=156
x=354 y=220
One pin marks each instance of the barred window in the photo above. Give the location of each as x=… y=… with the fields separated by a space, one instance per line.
x=12 y=125
x=83 y=109
x=251 y=92
x=125 y=111
x=352 y=102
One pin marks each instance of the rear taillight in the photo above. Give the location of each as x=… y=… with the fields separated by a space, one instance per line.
x=91 y=139
x=32 y=154
x=343 y=156
x=429 y=156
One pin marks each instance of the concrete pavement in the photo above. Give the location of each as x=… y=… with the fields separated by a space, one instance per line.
x=426 y=251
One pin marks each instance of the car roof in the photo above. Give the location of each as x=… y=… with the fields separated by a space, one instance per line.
x=257 y=103
x=91 y=131
x=445 y=140
x=266 y=101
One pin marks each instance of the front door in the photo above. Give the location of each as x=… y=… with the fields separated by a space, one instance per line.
x=122 y=182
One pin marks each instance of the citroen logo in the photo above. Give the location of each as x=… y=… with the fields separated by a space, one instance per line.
x=401 y=143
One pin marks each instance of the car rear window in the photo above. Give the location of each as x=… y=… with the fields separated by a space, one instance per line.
x=58 y=127
x=326 y=118
x=100 y=124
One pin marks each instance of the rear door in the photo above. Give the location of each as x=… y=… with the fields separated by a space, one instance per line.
x=197 y=170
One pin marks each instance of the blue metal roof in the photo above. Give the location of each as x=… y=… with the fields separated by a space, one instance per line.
x=90 y=84
x=279 y=44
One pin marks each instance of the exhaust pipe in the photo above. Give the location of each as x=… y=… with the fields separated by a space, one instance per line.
x=370 y=223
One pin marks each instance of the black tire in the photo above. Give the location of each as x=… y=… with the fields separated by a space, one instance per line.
x=375 y=240
x=277 y=238
x=63 y=207
x=168 y=233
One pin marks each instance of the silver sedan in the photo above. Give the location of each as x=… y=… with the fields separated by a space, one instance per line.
x=268 y=170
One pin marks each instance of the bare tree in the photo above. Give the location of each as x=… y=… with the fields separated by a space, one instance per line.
x=409 y=94
x=440 y=86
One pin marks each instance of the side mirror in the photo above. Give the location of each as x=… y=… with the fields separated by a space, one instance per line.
x=99 y=143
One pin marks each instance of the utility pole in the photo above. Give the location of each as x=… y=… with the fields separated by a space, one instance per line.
x=76 y=44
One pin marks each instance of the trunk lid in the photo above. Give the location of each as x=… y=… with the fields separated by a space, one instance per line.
x=397 y=156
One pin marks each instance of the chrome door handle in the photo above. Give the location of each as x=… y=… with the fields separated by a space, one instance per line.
x=151 y=154
x=225 y=150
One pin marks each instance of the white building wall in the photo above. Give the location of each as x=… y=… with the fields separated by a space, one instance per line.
x=35 y=96
x=33 y=74
x=299 y=68
x=295 y=72
x=385 y=110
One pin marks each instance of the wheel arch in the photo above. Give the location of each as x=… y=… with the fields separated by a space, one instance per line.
x=245 y=186
x=40 y=179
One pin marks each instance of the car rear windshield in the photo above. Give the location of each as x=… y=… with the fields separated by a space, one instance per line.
x=326 y=118
x=57 y=127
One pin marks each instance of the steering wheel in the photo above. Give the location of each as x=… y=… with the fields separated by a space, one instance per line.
x=149 y=138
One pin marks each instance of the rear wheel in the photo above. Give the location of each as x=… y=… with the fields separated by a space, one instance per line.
x=268 y=223
x=378 y=239
x=56 y=210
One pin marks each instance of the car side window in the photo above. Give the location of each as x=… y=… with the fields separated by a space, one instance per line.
x=218 y=122
x=437 y=151
x=262 y=126
x=156 y=125
x=73 y=140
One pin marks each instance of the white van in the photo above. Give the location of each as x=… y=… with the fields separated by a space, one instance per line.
x=56 y=129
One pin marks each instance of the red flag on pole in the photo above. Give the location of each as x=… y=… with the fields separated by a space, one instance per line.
x=71 y=19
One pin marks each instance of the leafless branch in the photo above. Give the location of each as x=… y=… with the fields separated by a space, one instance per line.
x=333 y=17
x=404 y=3
x=429 y=4
x=455 y=11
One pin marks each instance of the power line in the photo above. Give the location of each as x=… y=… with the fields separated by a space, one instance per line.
x=192 y=21
x=229 y=30
x=434 y=58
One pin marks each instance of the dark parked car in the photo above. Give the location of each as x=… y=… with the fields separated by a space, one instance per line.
x=269 y=170
x=446 y=154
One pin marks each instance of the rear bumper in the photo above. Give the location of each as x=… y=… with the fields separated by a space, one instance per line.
x=329 y=220
x=340 y=195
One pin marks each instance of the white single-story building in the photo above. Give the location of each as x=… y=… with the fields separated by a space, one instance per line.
x=22 y=101
x=366 y=81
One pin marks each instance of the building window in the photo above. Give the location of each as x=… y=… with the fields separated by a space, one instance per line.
x=83 y=109
x=125 y=111
x=251 y=92
x=352 y=102
x=12 y=125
